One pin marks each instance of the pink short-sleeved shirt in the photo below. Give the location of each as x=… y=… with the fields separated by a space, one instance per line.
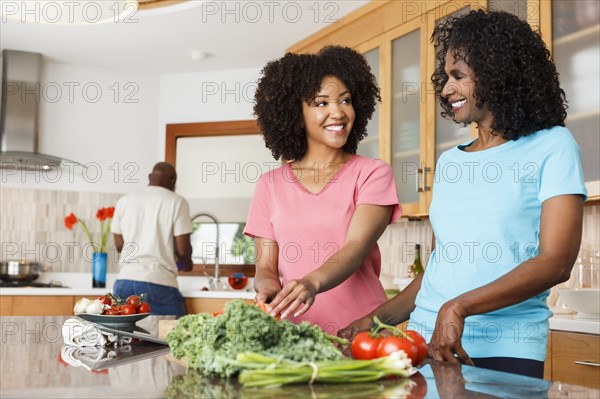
x=309 y=228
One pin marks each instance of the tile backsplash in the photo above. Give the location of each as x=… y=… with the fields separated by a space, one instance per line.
x=398 y=241
x=32 y=228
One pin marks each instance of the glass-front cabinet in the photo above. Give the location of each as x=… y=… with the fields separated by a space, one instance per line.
x=576 y=51
x=407 y=130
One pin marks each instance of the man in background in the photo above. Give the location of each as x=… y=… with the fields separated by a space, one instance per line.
x=152 y=235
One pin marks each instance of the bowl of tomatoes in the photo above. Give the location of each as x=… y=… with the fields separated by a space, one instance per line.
x=110 y=310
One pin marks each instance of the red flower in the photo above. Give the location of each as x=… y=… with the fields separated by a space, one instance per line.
x=70 y=221
x=110 y=212
x=101 y=214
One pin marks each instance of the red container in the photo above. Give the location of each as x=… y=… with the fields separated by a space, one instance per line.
x=238 y=281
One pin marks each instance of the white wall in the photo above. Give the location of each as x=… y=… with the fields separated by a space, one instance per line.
x=208 y=97
x=105 y=119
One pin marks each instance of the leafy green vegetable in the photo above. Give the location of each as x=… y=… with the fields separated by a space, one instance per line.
x=211 y=344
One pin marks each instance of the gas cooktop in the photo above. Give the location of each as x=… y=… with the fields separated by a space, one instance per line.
x=31 y=284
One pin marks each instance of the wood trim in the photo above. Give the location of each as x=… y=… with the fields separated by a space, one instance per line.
x=230 y=128
x=149 y=4
x=545 y=16
x=346 y=23
x=385 y=112
x=365 y=23
x=430 y=110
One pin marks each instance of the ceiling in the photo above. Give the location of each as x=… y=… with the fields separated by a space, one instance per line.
x=233 y=34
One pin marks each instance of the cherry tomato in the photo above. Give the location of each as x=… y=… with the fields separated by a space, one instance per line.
x=421 y=345
x=390 y=345
x=127 y=309
x=143 y=308
x=112 y=311
x=106 y=299
x=218 y=313
x=364 y=346
x=133 y=300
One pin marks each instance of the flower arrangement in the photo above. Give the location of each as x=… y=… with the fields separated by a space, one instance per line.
x=104 y=215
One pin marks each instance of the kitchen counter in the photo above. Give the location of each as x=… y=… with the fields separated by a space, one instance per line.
x=80 y=284
x=190 y=287
x=32 y=347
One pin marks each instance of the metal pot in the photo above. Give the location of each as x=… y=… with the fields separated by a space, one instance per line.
x=16 y=270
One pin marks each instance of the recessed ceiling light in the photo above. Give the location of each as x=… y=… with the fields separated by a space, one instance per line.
x=197 y=55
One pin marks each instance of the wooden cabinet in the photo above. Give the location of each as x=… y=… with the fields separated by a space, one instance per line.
x=37 y=305
x=575 y=27
x=575 y=358
x=407 y=130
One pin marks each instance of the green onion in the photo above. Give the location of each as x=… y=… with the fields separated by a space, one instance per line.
x=260 y=370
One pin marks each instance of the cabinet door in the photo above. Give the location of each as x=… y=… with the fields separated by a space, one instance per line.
x=576 y=52
x=407 y=116
x=576 y=358
x=37 y=305
x=6 y=303
x=369 y=146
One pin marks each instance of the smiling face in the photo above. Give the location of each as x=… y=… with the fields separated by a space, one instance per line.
x=459 y=91
x=328 y=118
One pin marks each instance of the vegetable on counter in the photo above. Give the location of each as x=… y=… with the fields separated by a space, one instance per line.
x=211 y=344
x=372 y=344
x=110 y=305
x=260 y=370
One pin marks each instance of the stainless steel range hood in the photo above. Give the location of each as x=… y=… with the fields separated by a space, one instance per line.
x=19 y=123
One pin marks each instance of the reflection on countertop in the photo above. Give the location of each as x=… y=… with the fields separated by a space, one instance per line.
x=32 y=346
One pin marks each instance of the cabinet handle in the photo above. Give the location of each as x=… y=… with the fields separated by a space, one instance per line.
x=587 y=363
x=421 y=183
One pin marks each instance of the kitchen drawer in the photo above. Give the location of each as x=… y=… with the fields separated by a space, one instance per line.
x=6 y=305
x=576 y=358
x=37 y=305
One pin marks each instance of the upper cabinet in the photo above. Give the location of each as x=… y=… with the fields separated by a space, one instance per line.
x=576 y=51
x=407 y=130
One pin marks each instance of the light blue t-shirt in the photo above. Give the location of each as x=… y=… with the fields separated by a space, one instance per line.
x=485 y=214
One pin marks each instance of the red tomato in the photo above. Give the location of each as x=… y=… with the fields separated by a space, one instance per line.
x=364 y=346
x=133 y=300
x=421 y=345
x=390 y=345
x=127 y=309
x=111 y=311
x=106 y=299
x=143 y=308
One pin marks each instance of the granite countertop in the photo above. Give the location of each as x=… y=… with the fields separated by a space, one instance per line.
x=35 y=343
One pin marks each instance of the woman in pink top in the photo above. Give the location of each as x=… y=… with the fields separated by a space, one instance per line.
x=316 y=219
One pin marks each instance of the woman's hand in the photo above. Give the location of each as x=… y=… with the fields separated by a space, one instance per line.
x=266 y=293
x=349 y=332
x=295 y=298
x=446 y=340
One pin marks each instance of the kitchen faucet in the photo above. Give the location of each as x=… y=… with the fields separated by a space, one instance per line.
x=214 y=282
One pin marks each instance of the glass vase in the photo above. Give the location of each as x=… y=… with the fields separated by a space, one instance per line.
x=99 y=260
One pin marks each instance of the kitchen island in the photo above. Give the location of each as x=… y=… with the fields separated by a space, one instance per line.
x=32 y=367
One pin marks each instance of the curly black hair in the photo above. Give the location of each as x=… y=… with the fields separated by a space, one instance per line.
x=513 y=70
x=296 y=78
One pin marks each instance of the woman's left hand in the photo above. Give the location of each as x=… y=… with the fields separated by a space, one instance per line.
x=295 y=298
x=446 y=340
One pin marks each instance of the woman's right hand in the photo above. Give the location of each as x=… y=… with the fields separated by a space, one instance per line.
x=349 y=332
x=266 y=294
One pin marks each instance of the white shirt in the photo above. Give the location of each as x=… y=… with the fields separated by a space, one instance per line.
x=149 y=220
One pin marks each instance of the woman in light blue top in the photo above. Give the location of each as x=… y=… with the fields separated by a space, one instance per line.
x=507 y=207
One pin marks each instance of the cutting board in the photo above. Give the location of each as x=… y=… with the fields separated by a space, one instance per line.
x=165 y=327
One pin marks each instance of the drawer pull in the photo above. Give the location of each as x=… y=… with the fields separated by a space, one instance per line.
x=586 y=363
